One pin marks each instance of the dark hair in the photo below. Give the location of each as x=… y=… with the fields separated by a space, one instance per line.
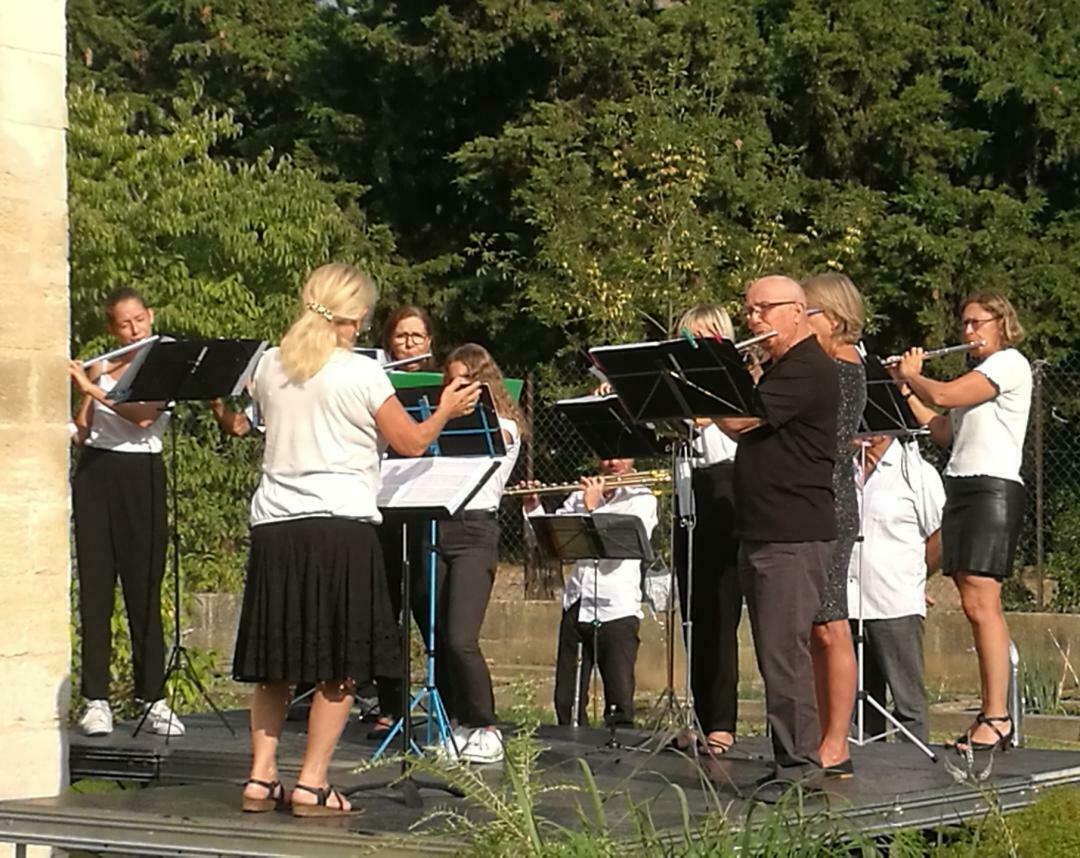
x=407 y=311
x=122 y=293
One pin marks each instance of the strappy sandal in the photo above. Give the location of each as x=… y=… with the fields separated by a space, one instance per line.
x=1004 y=740
x=275 y=797
x=714 y=747
x=321 y=808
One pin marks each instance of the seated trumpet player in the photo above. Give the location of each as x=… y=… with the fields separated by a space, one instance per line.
x=601 y=602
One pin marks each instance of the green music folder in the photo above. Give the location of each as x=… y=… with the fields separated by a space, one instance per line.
x=402 y=380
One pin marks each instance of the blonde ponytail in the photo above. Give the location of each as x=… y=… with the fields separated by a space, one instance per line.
x=333 y=294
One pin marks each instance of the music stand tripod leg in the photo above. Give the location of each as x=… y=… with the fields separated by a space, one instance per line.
x=179 y=660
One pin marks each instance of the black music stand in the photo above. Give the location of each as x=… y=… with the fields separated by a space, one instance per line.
x=679 y=380
x=595 y=537
x=886 y=413
x=174 y=371
x=419 y=490
x=671 y=383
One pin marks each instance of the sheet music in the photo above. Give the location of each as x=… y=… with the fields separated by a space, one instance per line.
x=434 y=482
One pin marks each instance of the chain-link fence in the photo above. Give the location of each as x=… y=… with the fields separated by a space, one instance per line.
x=1050 y=545
x=1049 y=552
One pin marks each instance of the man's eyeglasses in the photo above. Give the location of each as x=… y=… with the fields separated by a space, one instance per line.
x=975 y=324
x=764 y=307
x=411 y=338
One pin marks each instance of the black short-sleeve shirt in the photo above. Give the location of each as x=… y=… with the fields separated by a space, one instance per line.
x=783 y=470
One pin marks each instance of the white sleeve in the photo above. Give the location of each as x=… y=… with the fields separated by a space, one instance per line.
x=644 y=506
x=573 y=505
x=1006 y=370
x=368 y=387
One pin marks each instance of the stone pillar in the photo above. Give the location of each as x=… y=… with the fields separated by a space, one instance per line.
x=35 y=553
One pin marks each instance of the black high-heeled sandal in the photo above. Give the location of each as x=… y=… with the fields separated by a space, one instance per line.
x=275 y=797
x=1003 y=742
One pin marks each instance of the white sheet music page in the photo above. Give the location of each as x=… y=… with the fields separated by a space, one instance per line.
x=434 y=482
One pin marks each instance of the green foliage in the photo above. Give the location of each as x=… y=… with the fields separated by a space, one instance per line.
x=546 y=175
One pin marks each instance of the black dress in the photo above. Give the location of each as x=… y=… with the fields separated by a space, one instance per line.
x=834 y=604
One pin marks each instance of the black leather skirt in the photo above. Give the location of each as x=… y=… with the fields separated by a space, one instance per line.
x=981 y=525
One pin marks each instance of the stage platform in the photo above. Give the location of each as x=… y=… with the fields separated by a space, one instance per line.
x=194 y=805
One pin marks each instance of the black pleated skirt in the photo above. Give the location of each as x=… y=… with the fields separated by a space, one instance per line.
x=980 y=527
x=316 y=605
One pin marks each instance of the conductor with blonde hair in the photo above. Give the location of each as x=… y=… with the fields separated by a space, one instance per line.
x=984 y=493
x=316 y=608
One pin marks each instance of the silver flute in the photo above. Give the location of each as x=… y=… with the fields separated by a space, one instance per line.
x=753 y=341
x=121 y=351
x=935 y=353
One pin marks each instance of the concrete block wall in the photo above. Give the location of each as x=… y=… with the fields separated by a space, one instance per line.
x=35 y=657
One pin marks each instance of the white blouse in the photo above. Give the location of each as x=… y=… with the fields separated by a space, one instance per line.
x=988 y=438
x=490 y=494
x=322 y=445
x=110 y=431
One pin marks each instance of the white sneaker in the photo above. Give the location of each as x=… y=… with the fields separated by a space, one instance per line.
x=449 y=749
x=163 y=720
x=97 y=720
x=484 y=746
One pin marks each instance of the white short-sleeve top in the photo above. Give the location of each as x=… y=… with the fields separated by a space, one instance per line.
x=988 y=439
x=490 y=493
x=322 y=449
x=110 y=431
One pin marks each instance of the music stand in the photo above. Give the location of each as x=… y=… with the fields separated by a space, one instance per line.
x=671 y=383
x=886 y=413
x=598 y=536
x=434 y=486
x=176 y=371
x=612 y=433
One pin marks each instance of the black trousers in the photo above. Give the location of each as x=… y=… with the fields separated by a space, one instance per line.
x=120 y=532
x=468 y=553
x=419 y=541
x=613 y=647
x=717 y=598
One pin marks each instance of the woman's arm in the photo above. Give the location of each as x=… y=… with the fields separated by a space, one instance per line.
x=410 y=438
x=940 y=425
x=142 y=414
x=972 y=388
x=235 y=423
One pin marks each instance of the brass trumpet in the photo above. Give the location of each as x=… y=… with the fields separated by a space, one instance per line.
x=655 y=479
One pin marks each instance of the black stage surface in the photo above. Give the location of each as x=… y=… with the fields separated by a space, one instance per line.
x=194 y=807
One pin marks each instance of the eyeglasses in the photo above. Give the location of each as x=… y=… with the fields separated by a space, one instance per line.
x=411 y=338
x=764 y=307
x=975 y=324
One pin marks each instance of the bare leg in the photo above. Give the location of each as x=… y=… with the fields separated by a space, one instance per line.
x=835 y=679
x=330 y=708
x=981 y=600
x=269 y=703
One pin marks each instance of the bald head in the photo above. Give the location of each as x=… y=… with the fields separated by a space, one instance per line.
x=777 y=303
x=775 y=287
